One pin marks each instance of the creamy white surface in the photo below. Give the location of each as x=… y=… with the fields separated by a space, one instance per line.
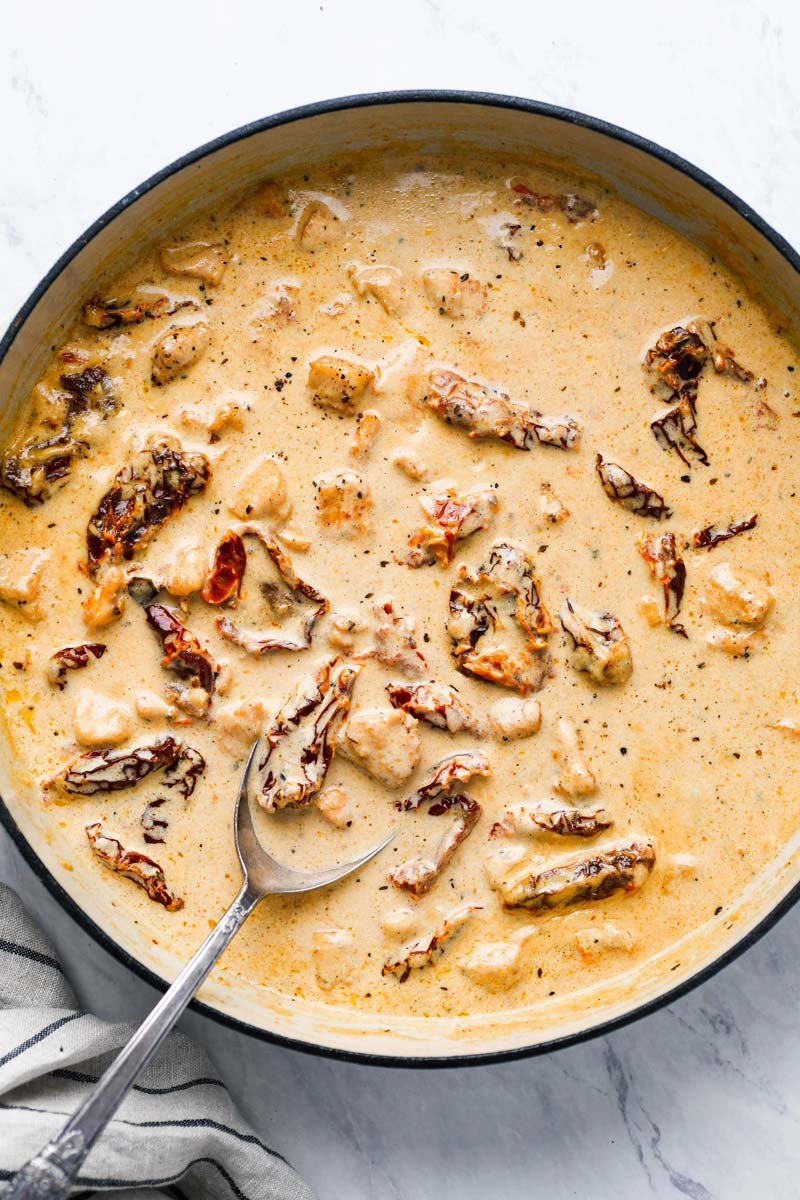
x=691 y=1067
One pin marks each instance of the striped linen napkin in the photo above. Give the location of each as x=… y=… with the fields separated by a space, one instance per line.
x=177 y=1134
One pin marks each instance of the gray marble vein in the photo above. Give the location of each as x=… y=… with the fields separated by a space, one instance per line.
x=701 y=1100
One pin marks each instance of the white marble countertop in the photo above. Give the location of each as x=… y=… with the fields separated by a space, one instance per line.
x=703 y=1099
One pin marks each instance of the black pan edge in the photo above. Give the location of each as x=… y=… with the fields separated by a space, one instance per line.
x=416 y=96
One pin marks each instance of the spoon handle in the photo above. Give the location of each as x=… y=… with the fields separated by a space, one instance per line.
x=50 y=1174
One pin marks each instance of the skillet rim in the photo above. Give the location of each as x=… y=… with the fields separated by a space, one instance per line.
x=286 y=117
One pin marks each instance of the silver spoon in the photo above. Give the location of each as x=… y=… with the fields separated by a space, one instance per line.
x=50 y=1173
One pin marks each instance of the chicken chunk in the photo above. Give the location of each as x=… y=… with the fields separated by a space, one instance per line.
x=455 y=294
x=367 y=429
x=410 y=463
x=35 y=464
x=342 y=630
x=429 y=948
x=225 y=412
x=339 y=383
x=400 y=922
x=600 y=646
x=396 y=641
x=185 y=570
x=277 y=309
x=201 y=260
x=333 y=952
x=503 y=855
x=736 y=597
x=595 y=941
x=575 y=777
x=21 y=579
x=99 y=720
x=334 y=804
x=239 y=723
x=192 y=699
x=741 y=603
x=261 y=492
x=650 y=609
x=679 y=869
x=510 y=719
x=344 y=501
x=151 y=707
x=384 y=742
x=497 y=966
x=105 y=603
x=178 y=349
x=319 y=222
x=451 y=518
x=737 y=642
x=384 y=283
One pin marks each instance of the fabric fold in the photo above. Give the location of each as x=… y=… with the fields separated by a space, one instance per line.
x=178 y=1131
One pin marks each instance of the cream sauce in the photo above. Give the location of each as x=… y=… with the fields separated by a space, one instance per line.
x=347 y=261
